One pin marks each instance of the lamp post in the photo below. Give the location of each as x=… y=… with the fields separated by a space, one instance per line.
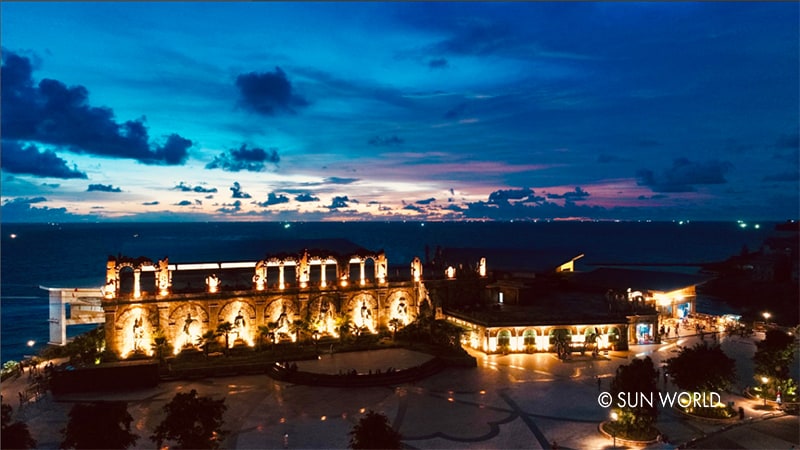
x=315 y=336
x=614 y=417
x=764 y=381
x=766 y=317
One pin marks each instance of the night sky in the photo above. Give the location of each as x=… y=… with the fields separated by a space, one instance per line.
x=390 y=111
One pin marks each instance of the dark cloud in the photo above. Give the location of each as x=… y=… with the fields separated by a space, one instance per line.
x=250 y=159
x=267 y=93
x=53 y=113
x=153 y=203
x=683 y=175
x=571 y=196
x=340 y=180
x=502 y=197
x=427 y=201
x=414 y=208
x=21 y=210
x=51 y=185
x=237 y=192
x=452 y=191
x=29 y=160
x=273 y=199
x=455 y=208
x=785 y=176
x=653 y=197
x=183 y=187
x=437 y=63
x=339 y=202
x=26 y=200
x=330 y=180
x=379 y=141
x=184 y=203
x=231 y=208
x=306 y=197
x=102 y=188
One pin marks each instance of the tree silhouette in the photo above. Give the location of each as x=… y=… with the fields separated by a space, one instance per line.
x=14 y=434
x=638 y=377
x=224 y=329
x=395 y=324
x=702 y=368
x=192 y=422
x=207 y=340
x=374 y=432
x=774 y=355
x=343 y=325
x=161 y=347
x=100 y=425
x=300 y=327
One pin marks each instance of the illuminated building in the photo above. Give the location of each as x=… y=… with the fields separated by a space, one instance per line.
x=143 y=298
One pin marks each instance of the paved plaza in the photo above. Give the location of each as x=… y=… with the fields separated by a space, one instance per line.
x=512 y=401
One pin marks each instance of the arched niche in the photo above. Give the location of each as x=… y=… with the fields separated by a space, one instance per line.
x=322 y=314
x=363 y=309
x=400 y=306
x=242 y=316
x=282 y=312
x=134 y=328
x=187 y=324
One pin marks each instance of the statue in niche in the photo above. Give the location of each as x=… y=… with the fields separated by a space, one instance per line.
x=239 y=325
x=324 y=315
x=138 y=334
x=186 y=324
x=366 y=314
x=402 y=308
x=283 y=319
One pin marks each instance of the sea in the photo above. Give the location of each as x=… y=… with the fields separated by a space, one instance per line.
x=74 y=254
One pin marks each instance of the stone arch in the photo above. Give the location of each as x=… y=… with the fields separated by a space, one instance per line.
x=529 y=337
x=242 y=315
x=134 y=328
x=363 y=309
x=187 y=323
x=282 y=311
x=322 y=313
x=400 y=306
x=504 y=336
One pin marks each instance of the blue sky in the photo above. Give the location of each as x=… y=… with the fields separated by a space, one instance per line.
x=390 y=111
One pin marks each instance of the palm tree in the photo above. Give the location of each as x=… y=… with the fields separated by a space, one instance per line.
x=160 y=345
x=208 y=339
x=299 y=327
x=343 y=325
x=224 y=329
x=395 y=324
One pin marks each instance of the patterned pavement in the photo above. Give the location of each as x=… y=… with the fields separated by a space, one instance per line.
x=513 y=401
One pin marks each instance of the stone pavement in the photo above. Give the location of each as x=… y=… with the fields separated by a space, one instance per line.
x=512 y=401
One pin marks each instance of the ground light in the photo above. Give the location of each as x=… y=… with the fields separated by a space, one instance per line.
x=764 y=381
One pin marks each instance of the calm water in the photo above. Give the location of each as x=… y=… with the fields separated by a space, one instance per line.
x=74 y=255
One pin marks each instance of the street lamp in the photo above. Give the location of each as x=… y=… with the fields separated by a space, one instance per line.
x=614 y=417
x=766 y=317
x=764 y=381
x=315 y=336
x=31 y=343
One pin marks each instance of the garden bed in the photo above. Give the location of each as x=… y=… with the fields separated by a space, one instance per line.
x=637 y=439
